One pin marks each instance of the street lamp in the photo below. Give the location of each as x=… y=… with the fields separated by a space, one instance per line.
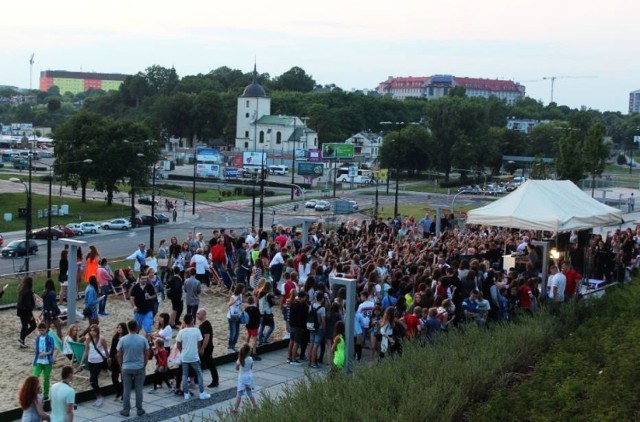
x=262 y=170
x=293 y=163
x=153 y=208
x=27 y=230
x=375 y=210
x=395 y=202
x=87 y=161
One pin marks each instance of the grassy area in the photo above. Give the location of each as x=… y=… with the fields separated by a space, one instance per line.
x=415 y=210
x=589 y=376
x=429 y=187
x=79 y=211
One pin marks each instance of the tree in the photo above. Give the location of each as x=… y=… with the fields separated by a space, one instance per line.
x=406 y=149
x=595 y=152
x=161 y=80
x=539 y=170
x=134 y=89
x=569 y=162
x=208 y=115
x=174 y=114
x=76 y=140
x=294 y=79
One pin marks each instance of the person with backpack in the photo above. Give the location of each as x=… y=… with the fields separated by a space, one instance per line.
x=316 y=325
x=252 y=323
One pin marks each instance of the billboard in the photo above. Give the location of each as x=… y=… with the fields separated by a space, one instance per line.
x=252 y=158
x=208 y=155
x=207 y=170
x=310 y=169
x=301 y=153
x=236 y=160
x=230 y=173
x=337 y=151
x=315 y=155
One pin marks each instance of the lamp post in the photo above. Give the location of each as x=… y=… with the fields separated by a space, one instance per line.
x=153 y=208
x=51 y=173
x=253 y=202
x=395 y=202
x=262 y=160
x=293 y=163
x=375 y=210
x=193 y=187
x=27 y=228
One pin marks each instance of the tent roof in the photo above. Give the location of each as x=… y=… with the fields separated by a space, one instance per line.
x=552 y=205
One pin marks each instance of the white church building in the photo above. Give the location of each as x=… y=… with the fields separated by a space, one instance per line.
x=258 y=130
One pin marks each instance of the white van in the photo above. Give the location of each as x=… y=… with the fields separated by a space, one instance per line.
x=279 y=170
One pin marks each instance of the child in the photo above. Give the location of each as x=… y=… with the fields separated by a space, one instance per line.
x=252 y=326
x=43 y=360
x=161 y=373
x=286 y=312
x=483 y=309
x=338 y=346
x=245 y=378
x=72 y=335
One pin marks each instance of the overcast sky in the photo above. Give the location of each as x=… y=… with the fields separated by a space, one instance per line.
x=352 y=43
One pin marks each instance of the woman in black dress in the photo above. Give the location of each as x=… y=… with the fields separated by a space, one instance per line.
x=26 y=305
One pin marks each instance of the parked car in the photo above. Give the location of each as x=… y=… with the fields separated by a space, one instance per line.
x=90 y=227
x=311 y=203
x=146 y=200
x=1 y=240
x=162 y=218
x=77 y=229
x=136 y=222
x=354 y=205
x=146 y=220
x=322 y=206
x=19 y=248
x=67 y=231
x=43 y=233
x=117 y=224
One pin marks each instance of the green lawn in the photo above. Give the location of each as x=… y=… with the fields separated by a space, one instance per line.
x=79 y=211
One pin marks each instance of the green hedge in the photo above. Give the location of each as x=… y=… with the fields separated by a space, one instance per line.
x=439 y=382
x=591 y=375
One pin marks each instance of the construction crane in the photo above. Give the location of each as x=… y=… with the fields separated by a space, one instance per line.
x=553 y=80
x=31 y=62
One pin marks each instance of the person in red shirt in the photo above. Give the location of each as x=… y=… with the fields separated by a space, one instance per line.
x=161 y=374
x=525 y=294
x=218 y=255
x=282 y=239
x=289 y=284
x=412 y=321
x=572 y=281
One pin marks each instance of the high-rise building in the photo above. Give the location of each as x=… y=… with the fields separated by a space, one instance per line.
x=76 y=82
x=634 y=102
x=437 y=86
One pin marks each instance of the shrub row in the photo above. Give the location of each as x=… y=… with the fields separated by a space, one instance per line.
x=591 y=375
x=439 y=382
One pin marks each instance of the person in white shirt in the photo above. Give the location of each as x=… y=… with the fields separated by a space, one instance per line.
x=202 y=266
x=251 y=239
x=63 y=397
x=558 y=284
x=188 y=341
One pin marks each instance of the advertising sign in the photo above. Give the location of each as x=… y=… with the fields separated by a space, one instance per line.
x=236 y=160
x=207 y=170
x=208 y=155
x=231 y=173
x=252 y=158
x=315 y=155
x=301 y=153
x=337 y=151
x=310 y=169
x=353 y=172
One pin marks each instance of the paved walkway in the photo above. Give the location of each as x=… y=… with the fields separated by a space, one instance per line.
x=271 y=375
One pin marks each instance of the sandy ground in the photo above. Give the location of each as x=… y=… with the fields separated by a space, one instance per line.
x=16 y=363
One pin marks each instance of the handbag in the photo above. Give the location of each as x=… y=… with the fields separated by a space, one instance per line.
x=174 y=357
x=105 y=362
x=87 y=312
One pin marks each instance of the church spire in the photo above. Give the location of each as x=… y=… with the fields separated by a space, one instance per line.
x=255 y=72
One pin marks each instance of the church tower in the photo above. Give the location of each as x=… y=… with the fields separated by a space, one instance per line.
x=252 y=105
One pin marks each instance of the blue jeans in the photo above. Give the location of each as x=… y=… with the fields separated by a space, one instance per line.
x=234 y=332
x=262 y=336
x=104 y=291
x=185 y=375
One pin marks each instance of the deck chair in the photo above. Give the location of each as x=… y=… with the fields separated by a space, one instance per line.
x=78 y=353
x=56 y=340
x=217 y=285
x=118 y=290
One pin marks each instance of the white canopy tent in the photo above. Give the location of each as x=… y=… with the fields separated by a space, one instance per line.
x=551 y=205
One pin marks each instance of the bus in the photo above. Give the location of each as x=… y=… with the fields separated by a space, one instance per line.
x=362 y=175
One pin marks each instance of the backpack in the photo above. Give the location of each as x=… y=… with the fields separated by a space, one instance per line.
x=312 y=319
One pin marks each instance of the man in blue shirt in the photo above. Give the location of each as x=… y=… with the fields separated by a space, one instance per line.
x=470 y=306
x=426 y=225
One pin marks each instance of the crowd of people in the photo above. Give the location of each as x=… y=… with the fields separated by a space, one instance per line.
x=412 y=284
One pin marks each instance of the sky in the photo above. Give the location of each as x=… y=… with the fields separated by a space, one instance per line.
x=590 y=46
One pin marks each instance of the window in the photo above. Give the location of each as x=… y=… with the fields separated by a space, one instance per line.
x=315 y=142
x=246 y=115
x=248 y=104
x=246 y=145
x=261 y=136
x=278 y=137
x=246 y=133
